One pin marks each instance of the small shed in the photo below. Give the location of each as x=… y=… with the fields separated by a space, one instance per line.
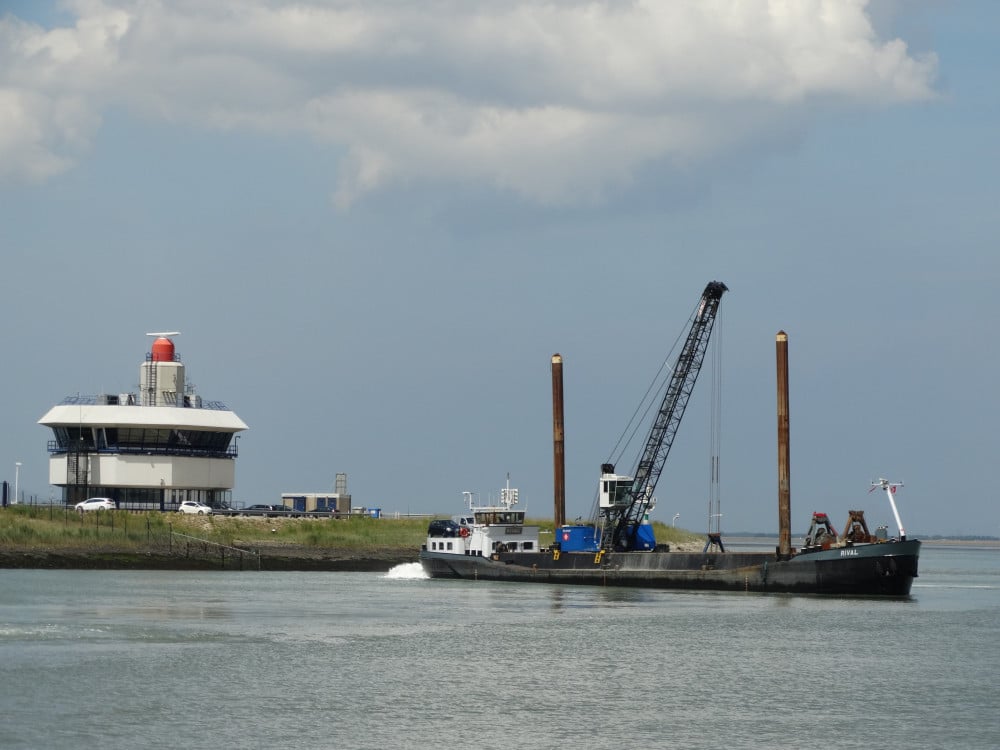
x=317 y=502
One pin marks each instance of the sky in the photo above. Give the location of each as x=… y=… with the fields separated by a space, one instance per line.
x=374 y=224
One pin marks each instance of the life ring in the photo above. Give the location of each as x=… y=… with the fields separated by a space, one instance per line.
x=463 y=532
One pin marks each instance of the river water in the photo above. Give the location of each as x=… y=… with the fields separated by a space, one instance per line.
x=106 y=659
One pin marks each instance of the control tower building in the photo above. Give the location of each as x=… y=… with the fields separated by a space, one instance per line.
x=145 y=451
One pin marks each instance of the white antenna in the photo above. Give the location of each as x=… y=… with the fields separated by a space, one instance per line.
x=164 y=334
x=890 y=492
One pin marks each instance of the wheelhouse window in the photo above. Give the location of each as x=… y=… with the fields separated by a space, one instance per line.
x=500 y=517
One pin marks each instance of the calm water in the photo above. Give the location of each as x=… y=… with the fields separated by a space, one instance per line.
x=336 y=660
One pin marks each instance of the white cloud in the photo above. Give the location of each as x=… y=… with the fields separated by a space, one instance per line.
x=558 y=102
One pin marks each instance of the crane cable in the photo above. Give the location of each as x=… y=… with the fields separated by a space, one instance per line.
x=652 y=397
x=715 y=435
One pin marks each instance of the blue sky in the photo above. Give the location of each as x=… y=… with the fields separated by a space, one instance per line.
x=375 y=223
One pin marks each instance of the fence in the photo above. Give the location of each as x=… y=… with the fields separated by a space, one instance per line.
x=203 y=549
x=120 y=532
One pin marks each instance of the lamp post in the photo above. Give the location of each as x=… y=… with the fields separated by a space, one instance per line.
x=676 y=516
x=17 y=479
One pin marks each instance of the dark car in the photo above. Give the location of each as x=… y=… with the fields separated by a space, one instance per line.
x=443 y=528
x=264 y=508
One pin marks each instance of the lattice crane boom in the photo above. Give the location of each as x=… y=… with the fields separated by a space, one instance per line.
x=624 y=515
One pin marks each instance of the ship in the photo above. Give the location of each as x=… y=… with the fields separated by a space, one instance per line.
x=492 y=542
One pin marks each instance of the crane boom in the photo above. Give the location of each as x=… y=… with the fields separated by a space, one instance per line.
x=625 y=500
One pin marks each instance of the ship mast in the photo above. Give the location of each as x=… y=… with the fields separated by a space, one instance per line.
x=890 y=492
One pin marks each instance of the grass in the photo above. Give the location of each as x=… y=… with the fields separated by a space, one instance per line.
x=56 y=527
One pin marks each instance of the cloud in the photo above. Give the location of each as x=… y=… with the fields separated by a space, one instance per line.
x=559 y=103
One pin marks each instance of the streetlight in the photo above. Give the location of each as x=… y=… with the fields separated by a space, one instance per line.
x=676 y=516
x=17 y=479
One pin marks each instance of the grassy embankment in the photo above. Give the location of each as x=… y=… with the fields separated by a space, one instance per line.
x=54 y=528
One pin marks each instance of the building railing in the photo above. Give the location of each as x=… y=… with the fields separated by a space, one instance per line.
x=103 y=400
x=149 y=450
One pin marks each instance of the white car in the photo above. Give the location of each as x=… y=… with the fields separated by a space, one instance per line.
x=95 y=503
x=196 y=508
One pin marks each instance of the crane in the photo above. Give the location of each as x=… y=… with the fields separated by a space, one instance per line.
x=625 y=500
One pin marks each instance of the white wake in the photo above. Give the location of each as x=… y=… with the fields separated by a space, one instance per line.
x=407 y=570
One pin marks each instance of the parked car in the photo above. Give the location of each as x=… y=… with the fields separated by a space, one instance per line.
x=95 y=503
x=443 y=528
x=265 y=508
x=194 y=508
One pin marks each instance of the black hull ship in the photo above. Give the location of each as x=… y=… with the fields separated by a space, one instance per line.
x=887 y=571
x=493 y=543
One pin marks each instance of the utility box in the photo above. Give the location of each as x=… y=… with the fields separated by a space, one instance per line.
x=576 y=539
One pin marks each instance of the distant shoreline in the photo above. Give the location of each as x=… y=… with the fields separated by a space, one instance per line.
x=287 y=557
x=933 y=541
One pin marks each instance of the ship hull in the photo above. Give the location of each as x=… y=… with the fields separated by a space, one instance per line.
x=886 y=569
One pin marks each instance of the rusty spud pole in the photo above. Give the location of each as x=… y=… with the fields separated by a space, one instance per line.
x=784 y=479
x=558 y=444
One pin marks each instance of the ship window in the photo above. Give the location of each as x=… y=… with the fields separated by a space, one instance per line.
x=528 y=545
x=449 y=545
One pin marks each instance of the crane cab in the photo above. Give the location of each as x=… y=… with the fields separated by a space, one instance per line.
x=615 y=490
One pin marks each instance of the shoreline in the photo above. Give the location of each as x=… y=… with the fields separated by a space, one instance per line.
x=287 y=558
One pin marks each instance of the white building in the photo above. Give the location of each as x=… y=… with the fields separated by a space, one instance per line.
x=149 y=451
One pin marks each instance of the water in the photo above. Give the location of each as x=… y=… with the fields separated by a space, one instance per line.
x=104 y=659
